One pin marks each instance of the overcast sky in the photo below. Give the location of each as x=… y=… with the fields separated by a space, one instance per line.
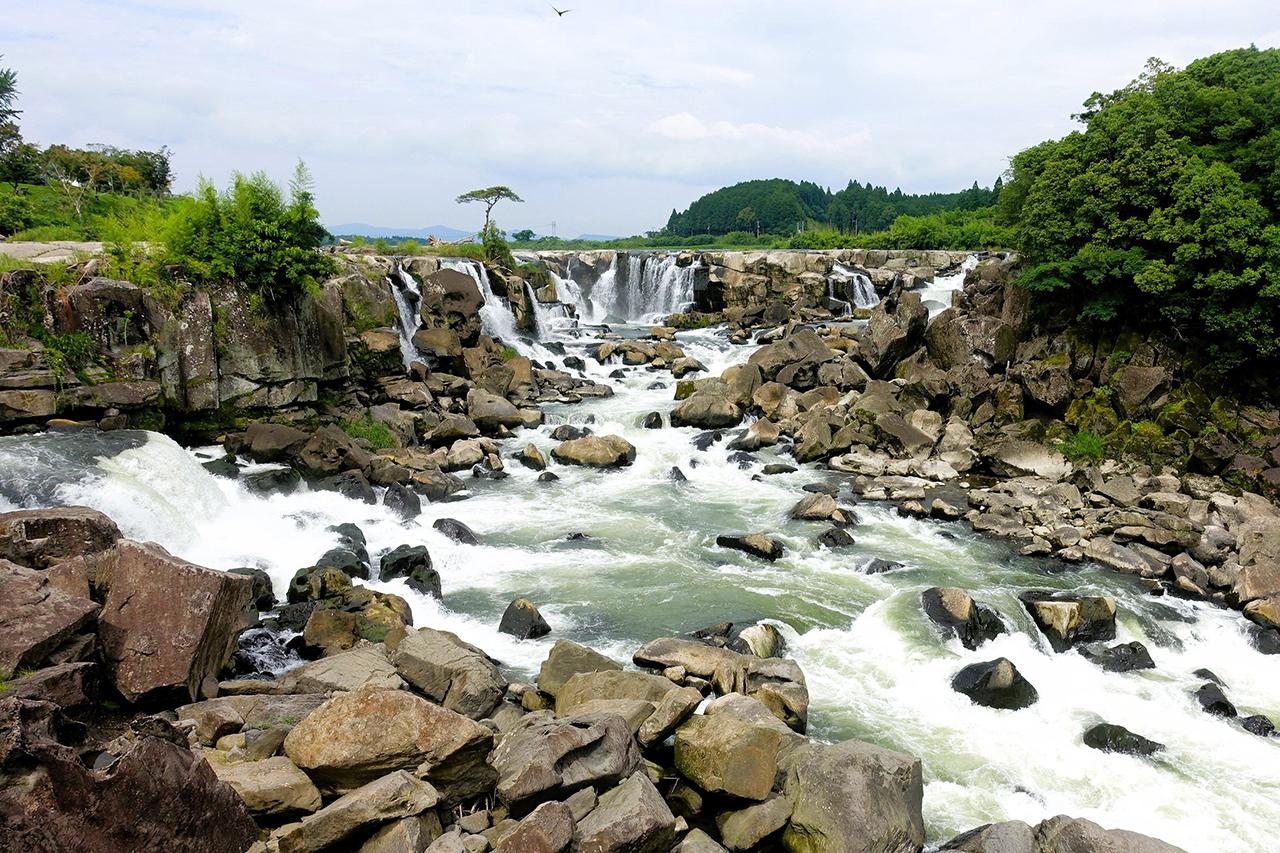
x=603 y=119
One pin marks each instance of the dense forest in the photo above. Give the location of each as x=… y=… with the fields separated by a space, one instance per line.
x=1165 y=209
x=780 y=206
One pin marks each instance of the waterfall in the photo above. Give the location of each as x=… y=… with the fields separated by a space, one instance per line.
x=938 y=294
x=405 y=291
x=603 y=294
x=646 y=290
x=496 y=316
x=852 y=282
x=546 y=317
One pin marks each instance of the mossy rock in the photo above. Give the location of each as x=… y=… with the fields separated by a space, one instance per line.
x=1094 y=413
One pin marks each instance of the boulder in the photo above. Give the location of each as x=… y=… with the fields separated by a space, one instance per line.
x=547 y=829
x=531 y=457
x=743 y=829
x=724 y=755
x=70 y=686
x=406 y=835
x=1064 y=833
x=610 y=684
x=456 y=530
x=224 y=715
x=706 y=410
x=596 y=451
x=995 y=684
x=522 y=620
x=632 y=818
x=954 y=339
x=565 y=660
x=42 y=538
x=402 y=501
x=821 y=507
x=672 y=710
x=958 y=615
x=357 y=737
x=412 y=562
x=762 y=433
x=330 y=451
x=490 y=412
x=1022 y=458
x=266 y=442
x=835 y=537
x=895 y=330
x=1213 y=700
x=1112 y=738
x=697 y=841
x=544 y=757
x=1135 y=388
x=1012 y=836
x=449 y=671
x=168 y=624
x=154 y=795
x=1067 y=619
x=755 y=544
x=1123 y=657
x=272 y=787
x=395 y=795
x=852 y=797
x=36 y=617
x=364 y=665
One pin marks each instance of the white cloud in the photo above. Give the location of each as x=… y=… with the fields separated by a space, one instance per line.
x=604 y=119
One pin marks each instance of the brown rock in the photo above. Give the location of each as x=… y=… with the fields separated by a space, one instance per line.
x=724 y=755
x=395 y=795
x=41 y=538
x=565 y=660
x=35 y=617
x=547 y=829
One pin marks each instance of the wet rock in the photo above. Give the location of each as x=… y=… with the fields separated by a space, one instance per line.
x=42 y=538
x=1259 y=725
x=877 y=566
x=272 y=787
x=706 y=410
x=1067 y=619
x=155 y=795
x=168 y=624
x=675 y=475
x=456 y=530
x=272 y=481
x=357 y=737
x=569 y=432
x=1214 y=701
x=262 y=595
x=395 y=795
x=852 y=796
x=349 y=484
x=778 y=468
x=995 y=684
x=521 y=619
x=835 y=537
x=547 y=829
x=631 y=818
x=762 y=433
x=489 y=412
x=545 y=758
x=1064 y=833
x=346 y=561
x=653 y=420
x=822 y=507
x=960 y=616
x=531 y=457
x=412 y=562
x=1012 y=836
x=447 y=670
x=402 y=501
x=36 y=617
x=724 y=755
x=1112 y=738
x=609 y=451
x=1125 y=657
x=610 y=685
x=547 y=477
x=565 y=660
x=755 y=544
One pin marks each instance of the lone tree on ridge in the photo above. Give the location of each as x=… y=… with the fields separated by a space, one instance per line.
x=489 y=196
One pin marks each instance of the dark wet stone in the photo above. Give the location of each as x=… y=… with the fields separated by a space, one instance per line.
x=224 y=467
x=779 y=468
x=995 y=684
x=1265 y=640
x=403 y=501
x=822 y=489
x=677 y=476
x=1209 y=675
x=1112 y=738
x=655 y=386
x=1213 y=701
x=273 y=481
x=349 y=484
x=346 y=560
x=653 y=420
x=742 y=459
x=1124 y=657
x=878 y=566
x=479 y=472
x=958 y=615
x=704 y=440
x=456 y=530
x=414 y=563
x=835 y=538
x=755 y=544
x=618 y=374
x=569 y=432
x=573 y=362
x=350 y=532
x=1259 y=725
x=523 y=621
x=264 y=597
x=547 y=477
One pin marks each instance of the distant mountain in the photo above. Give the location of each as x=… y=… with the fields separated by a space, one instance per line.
x=599 y=237
x=363 y=229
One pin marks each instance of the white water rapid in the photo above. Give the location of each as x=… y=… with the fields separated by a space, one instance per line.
x=938 y=294
x=876 y=669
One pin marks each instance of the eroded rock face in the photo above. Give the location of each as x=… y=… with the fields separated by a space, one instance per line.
x=852 y=797
x=456 y=674
x=544 y=757
x=168 y=624
x=156 y=795
x=632 y=818
x=41 y=538
x=36 y=617
x=1069 y=619
x=357 y=737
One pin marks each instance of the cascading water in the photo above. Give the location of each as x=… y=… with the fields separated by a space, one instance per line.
x=603 y=293
x=495 y=315
x=650 y=287
x=851 y=282
x=938 y=294
x=408 y=296
x=546 y=318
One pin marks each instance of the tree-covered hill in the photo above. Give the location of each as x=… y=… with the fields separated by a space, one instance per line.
x=780 y=206
x=1165 y=209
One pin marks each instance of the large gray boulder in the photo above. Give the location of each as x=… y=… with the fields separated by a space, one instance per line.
x=610 y=685
x=447 y=670
x=632 y=818
x=954 y=338
x=565 y=660
x=395 y=795
x=1068 y=619
x=724 y=755
x=490 y=412
x=544 y=757
x=853 y=797
x=895 y=330
x=706 y=410
x=357 y=737
x=595 y=451
x=272 y=787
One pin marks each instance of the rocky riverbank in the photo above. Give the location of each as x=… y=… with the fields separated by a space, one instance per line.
x=416 y=741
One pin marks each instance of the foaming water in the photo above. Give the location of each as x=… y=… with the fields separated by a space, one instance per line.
x=649 y=566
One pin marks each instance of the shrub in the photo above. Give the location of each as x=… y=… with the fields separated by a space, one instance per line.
x=1084 y=446
x=251 y=234
x=378 y=434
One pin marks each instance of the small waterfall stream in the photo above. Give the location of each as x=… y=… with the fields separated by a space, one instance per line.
x=851 y=282
x=408 y=297
x=496 y=315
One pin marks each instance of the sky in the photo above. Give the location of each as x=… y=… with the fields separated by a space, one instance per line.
x=603 y=119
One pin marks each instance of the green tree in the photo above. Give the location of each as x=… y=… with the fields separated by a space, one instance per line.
x=525 y=235
x=1165 y=209
x=489 y=197
x=8 y=93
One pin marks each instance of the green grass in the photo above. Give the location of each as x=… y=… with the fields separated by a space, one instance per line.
x=378 y=434
x=1084 y=446
x=52 y=216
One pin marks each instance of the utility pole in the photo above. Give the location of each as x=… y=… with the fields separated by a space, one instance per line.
x=553 y=228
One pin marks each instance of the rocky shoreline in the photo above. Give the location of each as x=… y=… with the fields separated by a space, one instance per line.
x=396 y=737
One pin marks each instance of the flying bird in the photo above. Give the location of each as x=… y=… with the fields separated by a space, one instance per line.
x=560 y=13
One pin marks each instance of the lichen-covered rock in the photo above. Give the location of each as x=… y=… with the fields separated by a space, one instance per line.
x=724 y=755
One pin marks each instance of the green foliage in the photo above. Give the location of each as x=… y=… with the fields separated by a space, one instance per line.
x=509 y=353
x=953 y=229
x=496 y=250
x=1165 y=210
x=1084 y=446
x=15 y=213
x=523 y=236
x=785 y=207
x=8 y=93
x=250 y=233
x=489 y=196
x=378 y=434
